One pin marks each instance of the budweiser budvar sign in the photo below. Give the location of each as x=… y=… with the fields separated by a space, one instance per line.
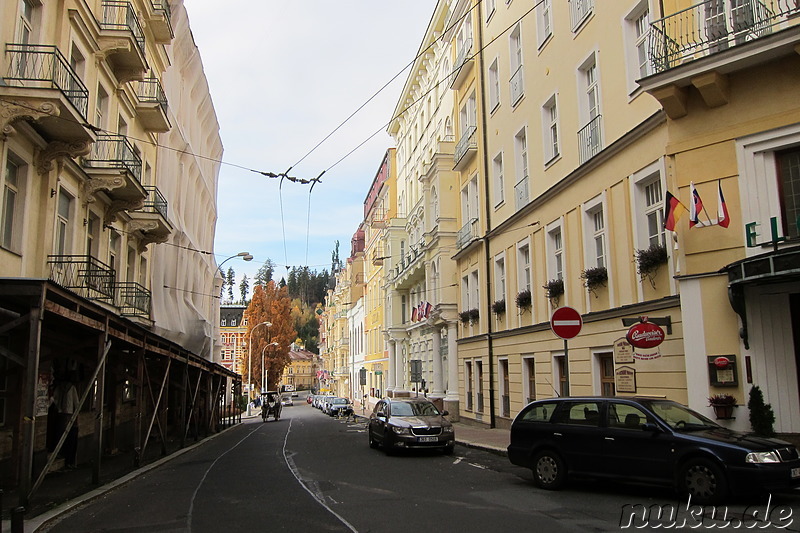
x=645 y=334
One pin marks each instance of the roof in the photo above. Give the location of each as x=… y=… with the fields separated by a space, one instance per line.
x=302 y=355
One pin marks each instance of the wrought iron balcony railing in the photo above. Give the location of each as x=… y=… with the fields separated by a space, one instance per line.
x=162 y=6
x=132 y=299
x=45 y=66
x=466 y=142
x=712 y=26
x=84 y=275
x=150 y=91
x=114 y=151
x=521 y=193
x=155 y=202
x=467 y=233
x=590 y=140
x=122 y=16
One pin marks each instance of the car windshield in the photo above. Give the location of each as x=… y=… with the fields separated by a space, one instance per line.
x=339 y=401
x=679 y=417
x=414 y=409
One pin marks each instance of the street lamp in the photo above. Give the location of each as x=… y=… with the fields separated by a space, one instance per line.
x=246 y=256
x=263 y=368
x=250 y=362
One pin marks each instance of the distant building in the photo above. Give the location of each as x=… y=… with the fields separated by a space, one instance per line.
x=233 y=338
x=301 y=372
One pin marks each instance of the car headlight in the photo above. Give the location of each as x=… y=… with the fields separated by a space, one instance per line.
x=762 y=457
x=447 y=429
x=401 y=431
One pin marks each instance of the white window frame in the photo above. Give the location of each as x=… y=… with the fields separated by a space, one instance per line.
x=498 y=179
x=494 y=85
x=490 y=9
x=640 y=180
x=474 y=297
x=13 y=204
x=636 y=32
x=555 y=250
x=63 y=229
x=579 y=13
x=524 y=265
x=500 y=276
x=544 y=22
x=593 y=233
x=526 y=377
x=522 y=184
x=517 y=79
x=550 y=130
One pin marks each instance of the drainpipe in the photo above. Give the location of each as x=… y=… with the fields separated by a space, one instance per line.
x=488 y=257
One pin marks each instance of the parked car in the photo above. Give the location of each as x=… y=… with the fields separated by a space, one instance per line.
x=287 y=400
x=326 y=403
x=405 y=423
x=647 y=440
x=339 y=407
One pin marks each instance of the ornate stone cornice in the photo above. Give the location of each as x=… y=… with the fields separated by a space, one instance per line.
x=58 y=149
x=122 y=205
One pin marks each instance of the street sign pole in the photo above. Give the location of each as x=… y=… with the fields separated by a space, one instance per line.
x=566 y=367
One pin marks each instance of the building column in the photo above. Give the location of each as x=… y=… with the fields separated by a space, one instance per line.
x=391 y=380
x=438 y=382
x=399 y=373
x=451 y=401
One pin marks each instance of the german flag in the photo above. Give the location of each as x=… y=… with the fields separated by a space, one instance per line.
x=673 y=211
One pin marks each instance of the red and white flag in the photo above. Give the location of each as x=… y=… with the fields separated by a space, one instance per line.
x=723 y=218
x=695 y=207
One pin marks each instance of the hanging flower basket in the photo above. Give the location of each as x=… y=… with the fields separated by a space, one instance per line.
x=593 y=278
x=499 y=307
x=469 y=316
x=523 y=299
x=648 y=261
x=554 y=289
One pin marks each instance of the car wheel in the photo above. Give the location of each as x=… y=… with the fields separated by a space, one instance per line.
x=704 y=481
x=549 y=470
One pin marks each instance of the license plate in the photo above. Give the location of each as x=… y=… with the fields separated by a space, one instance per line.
x=428 y=439
x=795 y=472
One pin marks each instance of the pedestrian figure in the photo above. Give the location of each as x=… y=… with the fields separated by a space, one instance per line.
x=65 y=399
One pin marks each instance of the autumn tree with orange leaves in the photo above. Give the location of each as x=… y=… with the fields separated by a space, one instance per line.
x=270 y=304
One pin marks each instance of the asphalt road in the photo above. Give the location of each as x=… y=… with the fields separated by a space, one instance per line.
x=308 y=472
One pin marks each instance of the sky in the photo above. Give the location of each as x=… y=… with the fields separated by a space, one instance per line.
x=283 y=75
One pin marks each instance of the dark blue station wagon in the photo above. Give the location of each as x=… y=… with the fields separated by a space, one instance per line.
x=647 y=440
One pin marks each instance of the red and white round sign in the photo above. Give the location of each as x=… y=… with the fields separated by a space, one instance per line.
x=566 y=322
x=645 y=335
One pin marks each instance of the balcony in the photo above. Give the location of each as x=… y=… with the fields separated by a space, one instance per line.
x=84 y=275
x=152 y=106
x=132 y=299
x=40 y=81
x=590 y=140
x=377 y=257
x=151 y=219
x=463 y=64
x=517 y=86
x=702 y=44
x=378 y=218
x=466 y=148
x=159 y=21
x=122 y=40
x=467 y=234
x=712 y=26
x=521 y=193
x=114 y=167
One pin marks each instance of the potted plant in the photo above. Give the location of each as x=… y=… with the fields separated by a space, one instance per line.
x=463 y=316
x=648 y=261
x=554 y=288
x=473 y=315
x=762 y=417
x=723 y=405
x=499 y=307
x=594 y=278
x=523 y=299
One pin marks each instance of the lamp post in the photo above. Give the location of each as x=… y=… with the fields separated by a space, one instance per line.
x=246 y=256
x=250 y=364
x=263 y=368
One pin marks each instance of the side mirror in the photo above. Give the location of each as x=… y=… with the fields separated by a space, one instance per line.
x=445 y=413
x=649 y=426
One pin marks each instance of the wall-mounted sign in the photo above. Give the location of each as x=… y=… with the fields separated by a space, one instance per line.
x=722 y=370
x=646 y=355
x=623 y=351
x=625 y=378
x=645 y=334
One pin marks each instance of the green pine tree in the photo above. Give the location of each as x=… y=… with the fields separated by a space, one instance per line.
x=762 y=417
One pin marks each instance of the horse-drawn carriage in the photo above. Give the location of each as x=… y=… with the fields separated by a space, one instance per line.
x=270 y=405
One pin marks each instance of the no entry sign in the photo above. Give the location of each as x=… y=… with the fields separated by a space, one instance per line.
x=566 y=322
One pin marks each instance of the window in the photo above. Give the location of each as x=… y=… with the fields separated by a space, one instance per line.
x=500 y=278
x=624 y=416
x=606 y=362
x=468 y=116
x=516 y=82
x=560 y=375
x=595 y=235
x=26 y=15
x=11 y=210
x=113 y=251
x=654 y=213
x=648 y=206
x=223 y=323
x=788 y=163
x=529 y=378
x=490 y=7
x=473 y=289
x=63 y=222
x=524 y=266
x=505 y=407
x=589 y=139
x=579 y=413
x=636 y=32
x=92 y=235
x=521 y=189
x=550 y=126
x=497 y=173
x=544 y=21
x=579 y=11
x=494 y=86
x=555 y=253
